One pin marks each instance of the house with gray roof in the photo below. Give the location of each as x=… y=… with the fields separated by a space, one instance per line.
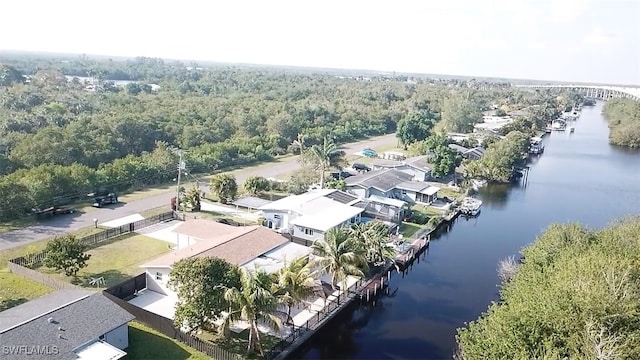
x=65 y=325
x=393 y=184
x=418 y=167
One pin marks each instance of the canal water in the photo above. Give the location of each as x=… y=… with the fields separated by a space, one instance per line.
x=579 y=178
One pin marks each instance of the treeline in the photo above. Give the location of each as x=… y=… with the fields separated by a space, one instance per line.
x=624 y=122
x=574 y=296
x=53 y=130
x=500 y=158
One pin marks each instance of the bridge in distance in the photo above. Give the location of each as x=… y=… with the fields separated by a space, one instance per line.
x=594 y=91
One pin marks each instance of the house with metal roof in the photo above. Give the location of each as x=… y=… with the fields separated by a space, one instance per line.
x=310 y=215
x=418 y=167
x=393 y=184
x=68 y=324
x=472 y=154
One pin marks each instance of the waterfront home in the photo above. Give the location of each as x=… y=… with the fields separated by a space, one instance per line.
x=472 y=154
x=492 y=124
x=417 y=167
x=235 y=244
x=393 y=184
x=310 y=215
x=66 y=324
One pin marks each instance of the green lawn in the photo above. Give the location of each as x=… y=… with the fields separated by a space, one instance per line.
x=408 y=229
x=450 y=193
x=116 y=260
x=237 y=343
x=15 y=290
x=146 y=343
x=429 y=211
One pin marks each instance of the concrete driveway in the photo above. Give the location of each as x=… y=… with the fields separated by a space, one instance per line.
x=66 y=223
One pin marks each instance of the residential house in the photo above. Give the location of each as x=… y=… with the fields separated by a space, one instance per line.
x=310 y=215
x=492 y=124
x=472 y=154
x=393 y=184
x=383 y=209
x=417 y=167
x=235 y=244
x=65 y=325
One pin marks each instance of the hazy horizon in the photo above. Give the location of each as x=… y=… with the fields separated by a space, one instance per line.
x=585 y=41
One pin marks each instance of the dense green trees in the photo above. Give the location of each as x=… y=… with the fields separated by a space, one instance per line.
x=222 y=116
x=443 y=159
x=624 y=122
x=499 y=159
x=575 y=296
x=415 y=126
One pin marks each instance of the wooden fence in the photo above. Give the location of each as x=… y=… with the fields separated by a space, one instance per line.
x=128 y=289
x=31 y=260
x=39 y=277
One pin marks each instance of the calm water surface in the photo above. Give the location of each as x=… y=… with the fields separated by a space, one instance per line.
x=580 y=177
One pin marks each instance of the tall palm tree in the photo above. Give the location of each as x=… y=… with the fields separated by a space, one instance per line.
x=294 y=283
x=374 y=238
x=340 y=256
x=326 y=155
x=253 y=302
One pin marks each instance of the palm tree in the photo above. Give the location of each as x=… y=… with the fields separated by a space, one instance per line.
x=294 y=283
x=253 y=302
x=340 y=256
x=326 y=155
x=374 y=237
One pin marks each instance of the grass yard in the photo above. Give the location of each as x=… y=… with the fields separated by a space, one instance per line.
x=429 y=211
x=15 y=290
x=116 y=260
x=237 y=343
x=450 y=193
x=155 y=211
x=216 y=216
x=408 y=229
x=146 y=343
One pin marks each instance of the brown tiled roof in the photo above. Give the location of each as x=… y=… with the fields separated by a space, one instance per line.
x=236 y=245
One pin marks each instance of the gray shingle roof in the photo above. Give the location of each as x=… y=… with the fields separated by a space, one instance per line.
x=78 y=316
x=416 y=162
x=383 y=179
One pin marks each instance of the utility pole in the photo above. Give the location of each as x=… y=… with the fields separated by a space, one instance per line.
x=180 y=168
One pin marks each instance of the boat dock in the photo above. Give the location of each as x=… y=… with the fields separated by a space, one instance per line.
x=365 y=290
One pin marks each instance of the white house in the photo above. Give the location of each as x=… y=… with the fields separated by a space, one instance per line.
x=308 y=216
x=66 y=324
x=417 y=167
x=236 y=244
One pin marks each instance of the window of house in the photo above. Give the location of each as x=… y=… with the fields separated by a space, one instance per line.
x=159 y=276
x=308 y=231
x=276 y=216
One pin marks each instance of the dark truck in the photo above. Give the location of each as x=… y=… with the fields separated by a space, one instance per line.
x=103 y=197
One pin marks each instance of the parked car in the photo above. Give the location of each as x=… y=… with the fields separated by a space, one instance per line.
x=369 y=153
x=360 y=167
x=337 y=175
x=102 y=197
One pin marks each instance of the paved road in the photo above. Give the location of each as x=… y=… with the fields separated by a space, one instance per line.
x=67 y=223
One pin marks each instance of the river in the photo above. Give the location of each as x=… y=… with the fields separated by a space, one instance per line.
x=579 y=178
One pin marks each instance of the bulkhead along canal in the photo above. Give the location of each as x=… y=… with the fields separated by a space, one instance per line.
x=579 y=178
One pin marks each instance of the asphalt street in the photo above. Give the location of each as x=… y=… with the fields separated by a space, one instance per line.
x=66 y=223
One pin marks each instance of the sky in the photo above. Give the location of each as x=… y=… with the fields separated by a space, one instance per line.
x=561 y=40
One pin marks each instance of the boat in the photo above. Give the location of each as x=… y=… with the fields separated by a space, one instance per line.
x=536 y=146
x=470 y=206
x=559 y=125
x=548 y=130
